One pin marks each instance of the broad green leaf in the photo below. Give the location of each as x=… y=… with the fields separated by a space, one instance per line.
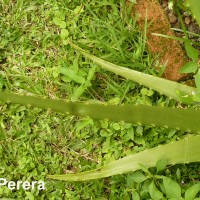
x=135 y=195
x=191 y=192
x=172 y=188
x=190 y=67
x=129 y=135
x=161 y=165
x=191 y=51
x=138 y=177
x=154 y=192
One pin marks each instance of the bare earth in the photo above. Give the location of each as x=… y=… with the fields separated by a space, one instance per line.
x=166 y=50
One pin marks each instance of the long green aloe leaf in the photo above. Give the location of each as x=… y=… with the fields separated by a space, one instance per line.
x=169 y=88
x=184 y=119
x=183 y=151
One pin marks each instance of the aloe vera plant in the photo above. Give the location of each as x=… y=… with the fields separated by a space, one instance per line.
x=177 y=91
x=182 y=151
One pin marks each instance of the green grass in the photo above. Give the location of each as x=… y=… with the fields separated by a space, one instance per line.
x=35 y=60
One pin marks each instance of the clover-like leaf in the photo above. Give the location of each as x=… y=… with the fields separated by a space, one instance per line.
x=64 y=33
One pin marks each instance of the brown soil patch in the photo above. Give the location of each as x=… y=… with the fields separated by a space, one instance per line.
x=166 y=50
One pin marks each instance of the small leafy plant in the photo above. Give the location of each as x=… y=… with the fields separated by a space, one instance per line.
x=193 y=66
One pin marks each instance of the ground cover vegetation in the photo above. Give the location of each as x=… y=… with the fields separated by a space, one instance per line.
x=35 y=59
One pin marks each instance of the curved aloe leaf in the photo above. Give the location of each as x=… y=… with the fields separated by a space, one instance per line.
x=184 y=119
x=195 y=8
x=177 y=91
x=183 y=151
